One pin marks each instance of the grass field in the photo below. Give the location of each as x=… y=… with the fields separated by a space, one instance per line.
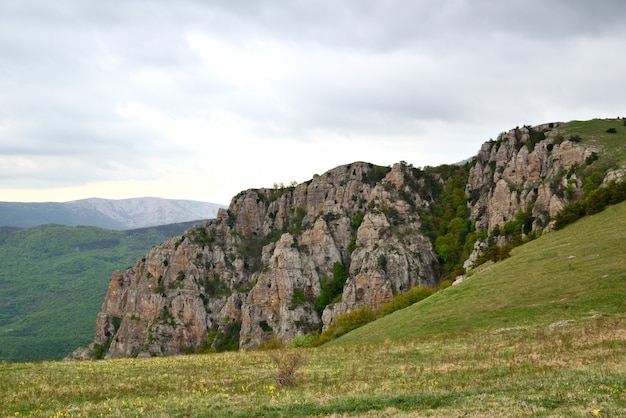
x=576 y=370
x=541 y=334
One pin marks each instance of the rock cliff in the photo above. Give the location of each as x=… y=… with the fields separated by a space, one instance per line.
x=284 y=262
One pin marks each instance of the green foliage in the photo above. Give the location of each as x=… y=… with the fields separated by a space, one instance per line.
x=376 y=174
x=222 y=338
x=494 y=253
x=356 y=223
x=449 y=247
x=518 y=231
x=298 y=297
x=447 y=221
x=53 y=280
x=352 y=244
x=214 y=286
x=357 y=220
x=595 y=202
x=342 y=324
x=296 y=221
x=265 y=326
x=200 y=236
x=404 y=300
x=99 y=351
x=345 y=323
x=332 y=288
x=271 y=344
x=166 y=317
x=278 y=191
x=303 y=341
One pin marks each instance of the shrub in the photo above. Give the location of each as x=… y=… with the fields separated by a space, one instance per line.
x=298 y=297
x=302 y=341
x=272 y=344
x=611 y=131
x=288 y=363
x=597 y=201
x=404 y=300
x=331 y=289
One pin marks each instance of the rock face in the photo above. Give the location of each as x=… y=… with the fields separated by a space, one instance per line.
x=529 y=170
x=267 y=266
x=508 y=177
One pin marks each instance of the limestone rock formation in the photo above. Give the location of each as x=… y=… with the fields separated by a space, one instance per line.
x=284 y=262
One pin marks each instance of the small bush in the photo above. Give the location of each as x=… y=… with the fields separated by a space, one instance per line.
x=302 y=341
x=273 y=344
x=298 y=297
x=288 y=363
x=611 y=131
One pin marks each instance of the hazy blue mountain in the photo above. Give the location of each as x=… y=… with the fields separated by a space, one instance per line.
x=106 y=213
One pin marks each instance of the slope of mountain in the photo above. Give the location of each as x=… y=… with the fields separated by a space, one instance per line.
x=284 y=262
x=572 y=274
x=53 y=279
x=106 y=213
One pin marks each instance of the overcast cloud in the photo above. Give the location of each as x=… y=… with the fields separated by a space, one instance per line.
x=202 y=99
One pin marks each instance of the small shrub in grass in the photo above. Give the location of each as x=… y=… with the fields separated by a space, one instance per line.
x=302 y=341
x=288 y=362
x=273 y=344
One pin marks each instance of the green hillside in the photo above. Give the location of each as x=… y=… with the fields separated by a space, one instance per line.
x=572 y=274
x=53 y=279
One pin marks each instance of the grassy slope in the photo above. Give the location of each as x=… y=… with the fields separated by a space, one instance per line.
x=593 y=132
x=52 y=282
x=567 y=274
x=432 y=359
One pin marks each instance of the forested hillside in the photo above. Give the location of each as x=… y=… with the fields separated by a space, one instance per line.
x=53 y=279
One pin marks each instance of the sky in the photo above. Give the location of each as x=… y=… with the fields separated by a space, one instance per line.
x=200 y=100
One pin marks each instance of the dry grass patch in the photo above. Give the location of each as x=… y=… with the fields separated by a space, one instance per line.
x=288 y=363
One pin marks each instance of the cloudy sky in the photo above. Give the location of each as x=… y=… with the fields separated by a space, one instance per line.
x=202 y=99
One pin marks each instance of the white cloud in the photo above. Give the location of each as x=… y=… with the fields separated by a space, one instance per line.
x=200 y=100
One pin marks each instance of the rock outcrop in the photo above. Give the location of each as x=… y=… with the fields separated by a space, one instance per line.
x=266 y=267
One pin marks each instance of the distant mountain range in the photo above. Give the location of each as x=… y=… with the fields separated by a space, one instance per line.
x=106 y=213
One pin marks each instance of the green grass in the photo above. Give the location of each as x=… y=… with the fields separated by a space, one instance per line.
x=436 y=358
x=573 y=273
x=567 y=371
x=53 y=279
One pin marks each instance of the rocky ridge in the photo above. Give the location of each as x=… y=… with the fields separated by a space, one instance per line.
x=266 y=267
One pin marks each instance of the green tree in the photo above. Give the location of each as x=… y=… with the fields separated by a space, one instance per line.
x=332 y=288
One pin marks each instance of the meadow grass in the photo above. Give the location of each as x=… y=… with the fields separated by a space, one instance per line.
x=572 y=370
